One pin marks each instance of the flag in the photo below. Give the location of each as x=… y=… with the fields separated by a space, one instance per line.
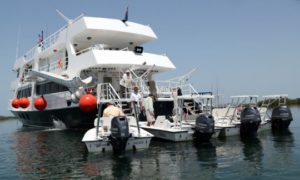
x=126 y=16
x=40 y=39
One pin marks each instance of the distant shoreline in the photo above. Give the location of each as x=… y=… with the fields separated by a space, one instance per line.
x=2 y=118
x=293 y=101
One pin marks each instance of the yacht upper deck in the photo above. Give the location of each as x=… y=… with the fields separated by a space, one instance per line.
x=84 y=31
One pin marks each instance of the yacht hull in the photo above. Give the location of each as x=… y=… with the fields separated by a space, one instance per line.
x=72 y=117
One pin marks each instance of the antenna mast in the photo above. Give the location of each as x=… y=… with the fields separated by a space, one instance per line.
x=69 y=21
x=18 y=41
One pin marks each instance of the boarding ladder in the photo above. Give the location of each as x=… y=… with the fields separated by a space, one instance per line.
x=190 y=105
x=107 y=93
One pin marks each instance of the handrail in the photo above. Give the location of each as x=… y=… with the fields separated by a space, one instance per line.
x=106 y=93
x=166 y=87
x=47 y=42
x=53 y=65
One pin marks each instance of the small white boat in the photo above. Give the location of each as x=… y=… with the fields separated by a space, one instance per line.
x=164 y=129
x=115 y=134
x=201 y=128
x=241 y=117
x=281 y=116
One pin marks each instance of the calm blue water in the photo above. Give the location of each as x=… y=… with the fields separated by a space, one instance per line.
x=48 y=154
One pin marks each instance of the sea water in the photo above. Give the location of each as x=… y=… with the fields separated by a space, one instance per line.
x=38 y=154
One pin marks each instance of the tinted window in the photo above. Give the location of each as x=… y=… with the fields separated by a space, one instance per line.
x=25 y=92
x=50 y=87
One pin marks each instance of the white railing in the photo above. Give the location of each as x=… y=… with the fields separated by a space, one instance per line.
x=47 y=42
x=54 y=65
x=107 y=93
x=50 y=40
x=165 y=88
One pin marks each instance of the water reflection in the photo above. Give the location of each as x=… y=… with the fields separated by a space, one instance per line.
x=108 y=166
x=206 y=152
x=42 y=154
x=253 y=152
x=207 y=157
x=283 y=142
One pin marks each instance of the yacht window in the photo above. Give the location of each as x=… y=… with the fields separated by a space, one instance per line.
x=67 y=60
x=25 y=92
x=50 y=87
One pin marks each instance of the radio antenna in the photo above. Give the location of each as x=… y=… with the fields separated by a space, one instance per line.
x=69 y=21
x=18 y=41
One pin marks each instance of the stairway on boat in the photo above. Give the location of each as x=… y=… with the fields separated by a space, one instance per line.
x=191 y=107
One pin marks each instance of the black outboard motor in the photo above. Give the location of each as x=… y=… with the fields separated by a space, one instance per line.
x=204 y=127
x=119 y=134
x=281 y=117
x=250 y=121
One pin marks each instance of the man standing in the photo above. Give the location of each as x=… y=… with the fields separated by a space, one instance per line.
x=136 y=100
x=125 y=83
x=148 y=105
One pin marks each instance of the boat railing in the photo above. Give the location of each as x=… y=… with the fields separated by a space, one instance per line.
x=50 y=40
x=29 y=55
x=165 y=88
x=272 y=99
x=54 y=65
x=143 y=87
x=107 y=93
x=47 y=42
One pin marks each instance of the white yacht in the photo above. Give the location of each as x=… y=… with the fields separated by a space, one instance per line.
x=67 y=75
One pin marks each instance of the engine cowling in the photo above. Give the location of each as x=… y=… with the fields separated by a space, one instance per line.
x=119 y=134
x=281 y=117
x=204 y=127
x=250 y=121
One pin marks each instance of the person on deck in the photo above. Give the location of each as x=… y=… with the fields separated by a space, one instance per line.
x=148 y=106
x=136 y=101
x=125 y=83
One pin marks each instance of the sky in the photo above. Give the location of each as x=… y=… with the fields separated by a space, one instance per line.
x=239 y=46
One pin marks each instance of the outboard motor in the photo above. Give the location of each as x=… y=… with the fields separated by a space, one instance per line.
x=250 y=121
x=119 y=134
x=204 y=127
x=281 y=117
